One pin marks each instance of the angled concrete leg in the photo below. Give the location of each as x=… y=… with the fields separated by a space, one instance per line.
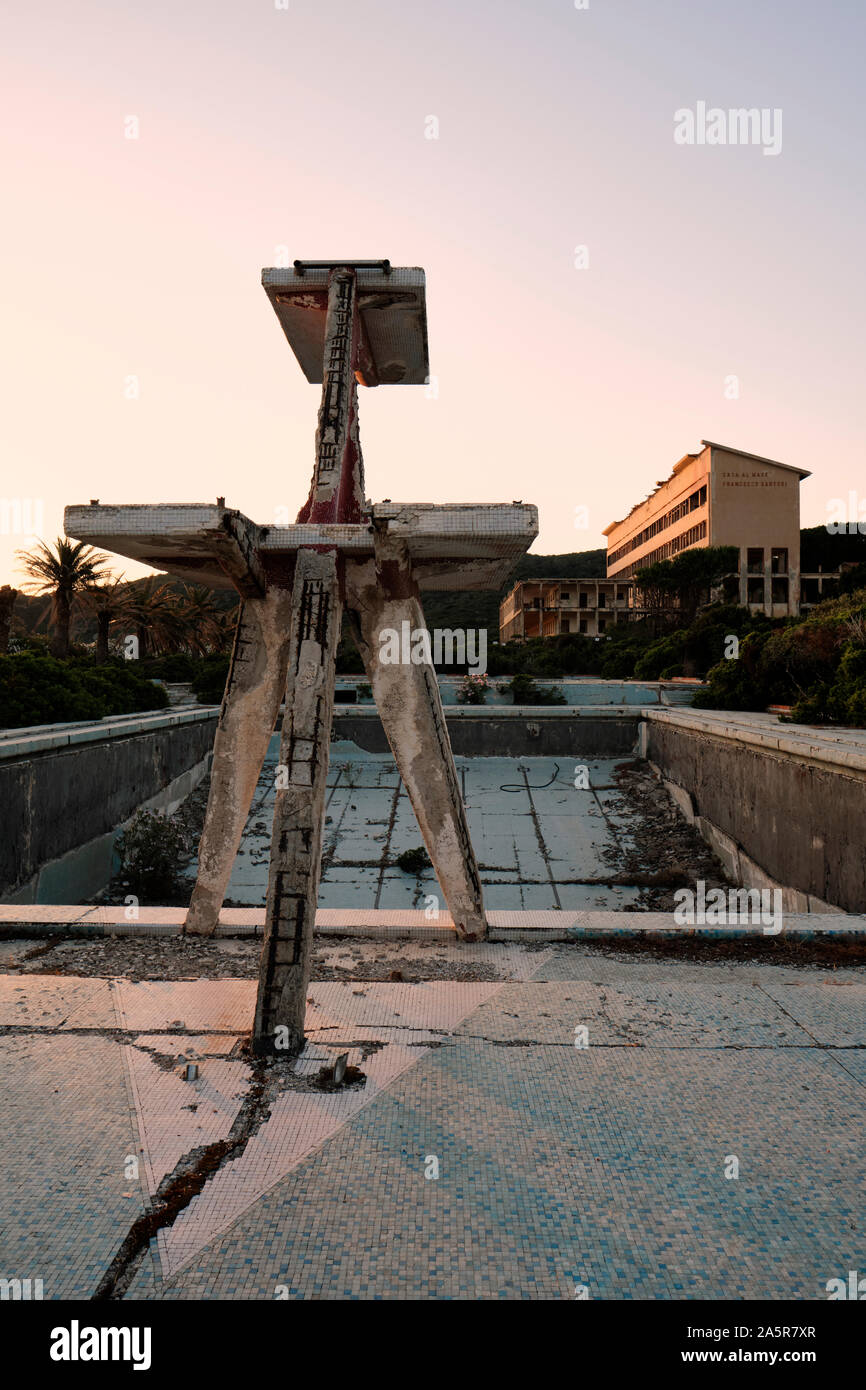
x=249 y=711
x=296 y=843
x=383 y=595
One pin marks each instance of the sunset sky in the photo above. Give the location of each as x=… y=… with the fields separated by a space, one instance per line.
x=305 y=128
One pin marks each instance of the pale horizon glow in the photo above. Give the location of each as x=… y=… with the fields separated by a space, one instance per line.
x=305 y=129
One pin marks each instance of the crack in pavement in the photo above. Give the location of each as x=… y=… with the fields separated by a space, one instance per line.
x=271 y=1077
x=851 y=1047
x=368 y=1045
x=185 y=1181
x=116 y=1034
x=454 y=1038
x=542 y=844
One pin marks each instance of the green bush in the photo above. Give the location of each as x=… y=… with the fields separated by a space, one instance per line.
x=177 y=666
x=524 y=691
x=209 y=682
x=153 y=853
x=568 y=654
x=841 y=700
x=37 y=689
x=665 y=652
x=738 y=683
x=798 y=657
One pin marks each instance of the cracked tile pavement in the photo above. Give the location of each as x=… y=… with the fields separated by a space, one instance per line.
x=482 y=1153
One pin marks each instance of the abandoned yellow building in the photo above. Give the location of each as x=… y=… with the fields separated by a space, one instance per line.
x=721 y=496
x=717 y=496
x=549 y=607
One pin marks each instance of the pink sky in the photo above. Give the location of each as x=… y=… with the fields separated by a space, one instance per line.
x=262 y=128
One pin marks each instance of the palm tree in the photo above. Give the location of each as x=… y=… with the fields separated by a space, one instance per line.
x=108 y=602
x=225 y=633
x=202 y=619
x=63 y=573
x=153 y=611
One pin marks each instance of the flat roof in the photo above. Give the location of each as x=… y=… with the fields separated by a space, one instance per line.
x=573 y=579
x=392 y=306
x=689 y=458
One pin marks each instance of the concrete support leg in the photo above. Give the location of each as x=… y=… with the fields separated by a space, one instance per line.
x=249 y=711
x=296 y=843
x=380 y=596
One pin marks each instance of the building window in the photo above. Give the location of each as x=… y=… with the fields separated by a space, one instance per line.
x=755 y=561
x=584 y=623
x=780 y=591
x=564 y=625
x=756 y=591
x=620 y=595
x=602 y=600
x=778 y=560
x=602 y=624
x=565 y=596
x=583 y=598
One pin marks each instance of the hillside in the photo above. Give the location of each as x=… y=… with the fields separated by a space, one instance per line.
x=820 y=549
x=480 y=608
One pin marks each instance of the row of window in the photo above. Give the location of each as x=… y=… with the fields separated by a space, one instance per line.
x=691 y=504
x=583 y=597
x=666 y=551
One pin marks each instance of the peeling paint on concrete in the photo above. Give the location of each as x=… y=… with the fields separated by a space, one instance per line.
x=383 y=595
x=249 y=711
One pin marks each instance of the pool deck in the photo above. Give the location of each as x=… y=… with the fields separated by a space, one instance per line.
x=582 y=1126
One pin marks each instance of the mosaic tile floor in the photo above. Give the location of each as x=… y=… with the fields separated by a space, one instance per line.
x=539 y=844
x=486 y=1156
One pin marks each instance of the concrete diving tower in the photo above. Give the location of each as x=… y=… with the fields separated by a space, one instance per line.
x=348 y=323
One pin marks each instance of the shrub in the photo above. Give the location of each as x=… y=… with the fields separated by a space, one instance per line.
x=841 y=700
x=472 y=690
x=663 y=653
x=524 y=691
x=619 y=664
x=209 y=682
x=153 y=852
x=798 y=656
x=178 y=666
x=37 y=689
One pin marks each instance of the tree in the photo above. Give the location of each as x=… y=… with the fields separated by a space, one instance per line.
x=8 y=595
x=108 y=602
x=154 y=613
x=202 y=619
x=63 y=573
x=681 y=585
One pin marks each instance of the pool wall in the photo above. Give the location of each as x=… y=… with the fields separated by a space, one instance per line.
x=67 y=789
